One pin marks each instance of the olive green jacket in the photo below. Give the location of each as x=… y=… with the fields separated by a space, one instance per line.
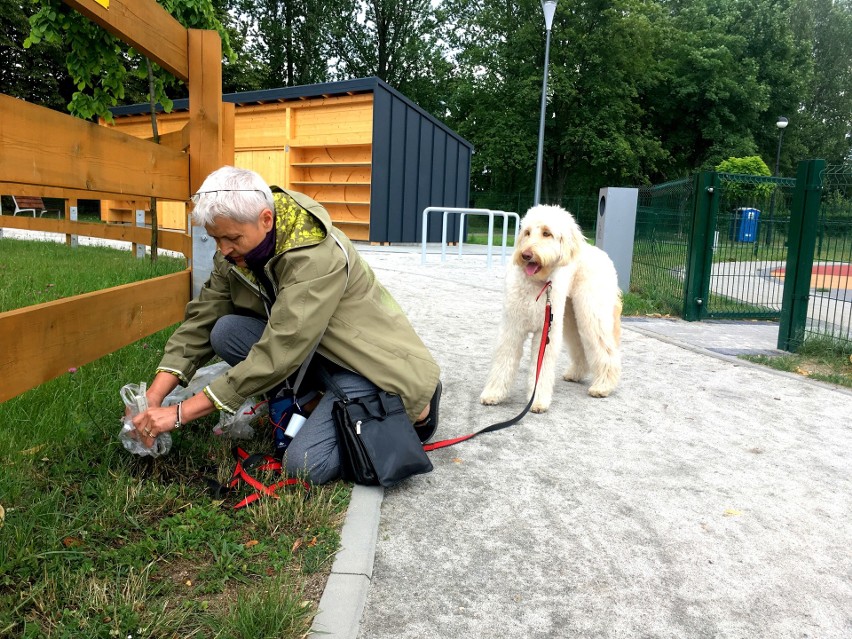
x=365 y=330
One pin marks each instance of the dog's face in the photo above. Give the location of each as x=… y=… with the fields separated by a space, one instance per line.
x=549 y=238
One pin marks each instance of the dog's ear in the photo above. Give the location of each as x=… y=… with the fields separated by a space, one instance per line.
x=570 y=240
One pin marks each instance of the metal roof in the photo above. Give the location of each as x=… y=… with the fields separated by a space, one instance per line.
x=302 y=92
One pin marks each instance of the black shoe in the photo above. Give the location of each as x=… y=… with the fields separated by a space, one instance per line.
x=426 y=428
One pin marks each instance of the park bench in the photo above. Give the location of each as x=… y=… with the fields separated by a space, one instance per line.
x=26 y=203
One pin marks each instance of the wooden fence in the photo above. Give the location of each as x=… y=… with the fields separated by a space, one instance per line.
x=43 y=152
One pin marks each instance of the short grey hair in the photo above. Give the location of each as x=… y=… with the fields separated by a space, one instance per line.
x=238 y=194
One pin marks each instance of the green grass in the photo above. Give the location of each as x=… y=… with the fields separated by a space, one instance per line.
x=98 y=543
x=497 y=238
x=654 y=305
x=33 y=272
x=654 y=292
x=819 y=358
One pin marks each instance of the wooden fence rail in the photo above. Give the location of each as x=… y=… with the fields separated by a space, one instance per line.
x=43 y=152
x=167 y=240
x=41 y=342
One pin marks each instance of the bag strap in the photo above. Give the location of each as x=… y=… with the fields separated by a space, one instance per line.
x=303 y=369
x=545 y=340
x=333 y=386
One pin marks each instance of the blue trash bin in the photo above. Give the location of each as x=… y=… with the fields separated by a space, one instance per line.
x=745 y=225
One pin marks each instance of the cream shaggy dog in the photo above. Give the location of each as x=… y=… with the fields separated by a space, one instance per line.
x=586 y=306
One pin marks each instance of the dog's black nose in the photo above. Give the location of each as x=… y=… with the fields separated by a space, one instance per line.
x=527 y=256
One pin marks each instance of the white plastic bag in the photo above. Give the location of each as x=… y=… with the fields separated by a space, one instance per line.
x=203 y=376
x=133 y=396
x=238 y=425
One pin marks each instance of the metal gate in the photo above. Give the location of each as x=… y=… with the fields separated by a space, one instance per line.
x=738 y=250
x=726 y=246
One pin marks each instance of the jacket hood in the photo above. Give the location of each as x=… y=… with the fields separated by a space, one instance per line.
x=299 y=220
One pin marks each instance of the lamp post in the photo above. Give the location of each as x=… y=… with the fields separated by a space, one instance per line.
x=781 y=123
x=549 y=8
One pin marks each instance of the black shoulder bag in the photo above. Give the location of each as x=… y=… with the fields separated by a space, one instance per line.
x=376 y=440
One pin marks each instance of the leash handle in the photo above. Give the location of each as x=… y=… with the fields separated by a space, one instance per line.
x=545 y=340
x=260 y=462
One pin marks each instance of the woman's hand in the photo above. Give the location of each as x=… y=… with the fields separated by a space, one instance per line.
x=161 y=386
x=154 y=421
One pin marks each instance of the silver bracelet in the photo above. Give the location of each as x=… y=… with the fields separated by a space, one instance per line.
x=179 y=421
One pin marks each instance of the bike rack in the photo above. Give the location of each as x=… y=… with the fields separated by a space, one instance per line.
x=465 y=212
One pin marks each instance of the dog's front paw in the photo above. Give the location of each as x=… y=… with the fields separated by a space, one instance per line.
x=600 y=390
x=542 y=402
x=540 y=407
x=490 y=398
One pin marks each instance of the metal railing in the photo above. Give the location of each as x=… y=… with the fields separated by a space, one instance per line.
x=661 y=243
x=718 y=245
x=463 y=212
x=749 y=218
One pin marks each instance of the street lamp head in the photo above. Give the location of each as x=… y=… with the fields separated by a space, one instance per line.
x=549 y=8
x=782 y=122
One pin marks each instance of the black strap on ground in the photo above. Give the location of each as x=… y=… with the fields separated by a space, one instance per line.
x=545 y=339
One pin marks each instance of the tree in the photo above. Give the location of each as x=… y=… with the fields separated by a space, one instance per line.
x=783 y=67
x=37 y=76
x=602 y=60
x=394 y=40
x=709 y=99
x=606 y=60
x=751 y=165
x=102 y=67
x=286 y=39
x=820 y=124
x=495 y=90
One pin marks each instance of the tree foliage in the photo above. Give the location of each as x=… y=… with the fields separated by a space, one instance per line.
x=102 y=68
x=394 y=40
x=38 y=76
x=285 y=39
x=750 y=165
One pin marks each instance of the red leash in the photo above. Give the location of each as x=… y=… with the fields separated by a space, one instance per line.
x=245 y=463
x=545 y=338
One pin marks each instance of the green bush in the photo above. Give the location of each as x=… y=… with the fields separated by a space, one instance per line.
x=751 y=165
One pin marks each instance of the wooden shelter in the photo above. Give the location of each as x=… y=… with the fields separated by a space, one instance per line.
x=372 y=157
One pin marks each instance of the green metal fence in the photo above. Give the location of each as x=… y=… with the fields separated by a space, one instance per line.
x=718 y=245
x=661 y=242
x=713 y=245
x=829 y=312
x=749 y=217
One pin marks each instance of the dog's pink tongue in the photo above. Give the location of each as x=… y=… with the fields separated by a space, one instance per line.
x=531 y=268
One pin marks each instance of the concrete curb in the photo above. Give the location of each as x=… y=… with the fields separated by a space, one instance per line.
x=345 y=593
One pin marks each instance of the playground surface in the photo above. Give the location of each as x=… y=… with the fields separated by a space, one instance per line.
x=707 y=497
